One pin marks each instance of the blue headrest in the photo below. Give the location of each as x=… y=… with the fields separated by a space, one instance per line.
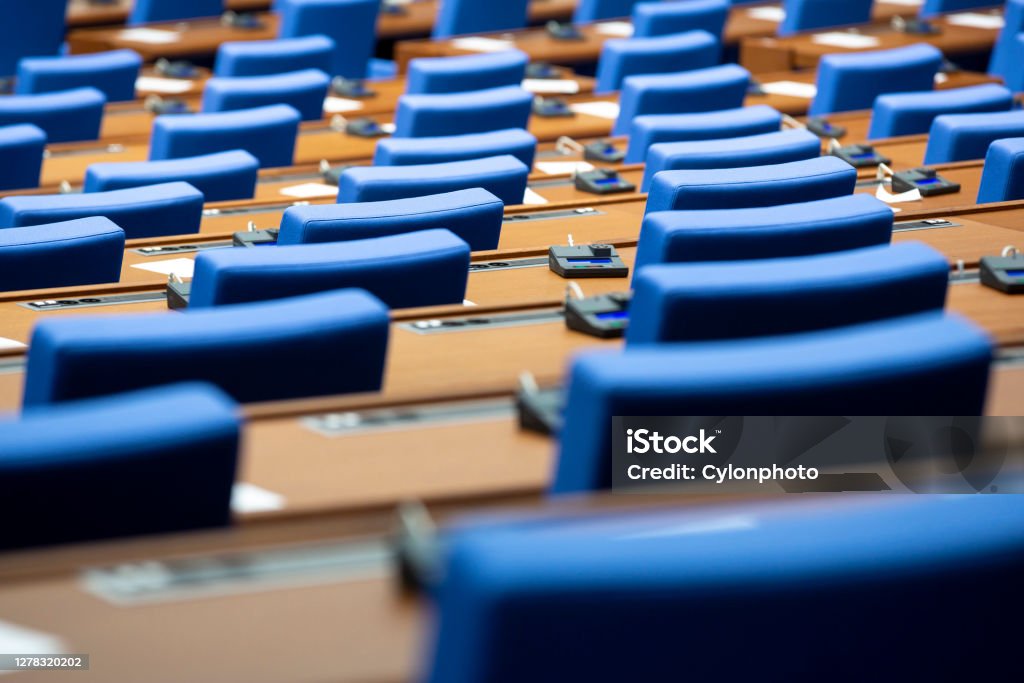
x=913 y=113
x=852 y=81
x=112 y=73
x=959 y=137
x=66 y=116
x=351 y=24
x=220 y=177
x=903 y=366
x=329 y=343
x=515 y=142
x=268 y=133
x=438 y=75
x=21 y=156
x=1007 y=49
x=1015 y=77
x=474 y=216
x=712 y=89
x=481 y=111
x=596 y=10
x=931 y=8
x=1002 y=180
x=662 y=18
x=504 y=176
x=808 y=15
x=662 y=54
x=814 y=227
x=458 y=17
x=149 y=11
x=617 y=583
x=424 y=268
x=739 y=188
x=303 y=90
x=151 y=211
x=754 y=150
x=266 y=57
x=86 y=251
x=730 y=299
x=119 y=465
x=30 y=29
x=729 y=123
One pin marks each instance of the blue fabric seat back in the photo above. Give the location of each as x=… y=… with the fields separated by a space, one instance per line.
x=424 y=268
x=21 y=156
x=439 y=75
x=148 y=11
x=351 y=24
x=505 y=177
x=729 y=123
x=460 y=17
x=268 y=57
x=112 y=73
x=303 y=90
x=481 y=111
x=803 y=229
x=86 y=251
x=220 y=177
x=1002 y=179
x=960 y=137
x=597 y=10
x=687 y=92
x=809 y=15
x=65 y=116
x=515 y=142
x=474 y=216
x=30 y=29
x=932 y=8
x=756 y=186
x=662 y=54
x=328 y=343
x=852 y=81
x=268 y=133
x=662 y=18
x=731 y=299
x=753 y=150
x=913 y=113
x=903 y=366
x=1007 y=51
x=119 y=466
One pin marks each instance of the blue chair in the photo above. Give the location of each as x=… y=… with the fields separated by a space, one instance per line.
x=119 y=466
x=351 y=24
x=807 y=228
x=459 y=17
x=662 y=54
x=305 y=91
x=810 y=15
x=153 y=211
x=112 y=73
x=1007 y=51
x=504 y=177
x=21 y=156
x=597 y=10
x=441 y=75
x=481 y=111
x=330 y=343
x=474 y=216
x=729 y=123
x=700 y=90
x=913 y=113
x=685 y=302
x=269 y=57
x=757 y=186
x=959 y=137
x=222 y=176
x=662 y=18
x=149 y=11
x=1002 y=180
x=933 y=8
x=1015 y=77
x=424 y=268
x=268 y=133
x=754 y=150
x=573 y=584
x=86 y=251
x=65 y=116
x=30 y=29
x=903 y=366
x=439 y=150
x=847 y=82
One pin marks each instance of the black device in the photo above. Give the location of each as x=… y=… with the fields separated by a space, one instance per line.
x=365 y=128
x=551 y=107
x=171 y=105
x=824 y=129
x=243 y=20
x=255 y=238
x=354 y=88
x=915 y=27
x=178 y=294
x=393 y=8
x=560 y=30
x=540 y=410
x=926 y=180
x=176 y=69
x=605 y=316
x=586 y=260
x=332 y=175
x=604 y=151
x=542 y=71
x=602 y=181
x=1004 y=273
x=860 y=156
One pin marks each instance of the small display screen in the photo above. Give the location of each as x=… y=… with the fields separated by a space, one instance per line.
x=613 y=315
x=589 y=260
x=928 y=181
x=1015 y=273
x=606 y=181
x=863 y=155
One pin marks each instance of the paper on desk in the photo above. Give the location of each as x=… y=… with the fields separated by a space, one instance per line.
x=806 y=91
x=562 y=167
x=17 y=639
x=602 y=110
x=249 y=498
x=551 y=86
x=941 y=78
x=154 y=36
x=771 y=13
x=388 y=128
x=854 y=41
x=182 y=267
x=976 y=20
x=618 y=29
x=8 y=344
x=481 y=44
x=310 y=191
x=532 y=197
x=904 y=3
x=890 y=198
x=341 y=105
x=165 y=86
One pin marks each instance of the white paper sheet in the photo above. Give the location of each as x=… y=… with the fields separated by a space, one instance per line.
x=551 y=86
x=152 y=36
x=890 y=198
x=165 y=86
x=310 y=191
x=602 y=110
x=341 y=105
x=853 y=41
x=16 y=639
x=481 y=44
x=618 y=29
x=182 y=267
x=902 y=3
x=250 y=498
x=806 y=91
x=532 y=197
x=771 y=13
x=563 y=167
x=977 y=20
x=8 y=344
